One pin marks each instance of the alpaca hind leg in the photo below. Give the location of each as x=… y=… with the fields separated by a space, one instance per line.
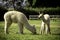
x=7 y=24
x=48 y=25
x=48 y=28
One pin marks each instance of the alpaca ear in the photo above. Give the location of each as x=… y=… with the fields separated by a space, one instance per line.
x=39 y=12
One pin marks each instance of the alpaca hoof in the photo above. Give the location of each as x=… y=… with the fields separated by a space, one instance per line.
x=6 y=33
x=50 y=33
x=34 y=33
x=19 y=33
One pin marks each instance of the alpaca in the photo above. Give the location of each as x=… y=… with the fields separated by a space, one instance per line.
x=19 y=18
x=45 y=25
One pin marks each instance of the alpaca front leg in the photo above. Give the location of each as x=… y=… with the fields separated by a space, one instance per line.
x=20 y=28
x=42 y=28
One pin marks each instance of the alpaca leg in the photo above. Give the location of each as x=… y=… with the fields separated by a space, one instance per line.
x=42 y=28
x=20 y=28
x=48 y=28
x=7 y=24
x=48 y=25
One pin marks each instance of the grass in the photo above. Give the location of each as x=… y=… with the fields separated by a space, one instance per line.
x=55 y=30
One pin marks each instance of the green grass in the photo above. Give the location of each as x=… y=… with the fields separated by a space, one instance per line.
x=55 y=30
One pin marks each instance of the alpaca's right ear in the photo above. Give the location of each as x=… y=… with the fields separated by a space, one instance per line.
x=39 y=12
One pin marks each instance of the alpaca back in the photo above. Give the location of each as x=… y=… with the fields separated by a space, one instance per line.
x=47 y=17
x=15 y=16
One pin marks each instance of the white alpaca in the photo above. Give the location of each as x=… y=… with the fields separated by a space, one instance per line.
x=20 y=19
x=45 y=26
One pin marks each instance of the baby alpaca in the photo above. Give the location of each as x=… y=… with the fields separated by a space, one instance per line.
x=45 y=26
x=20 y=19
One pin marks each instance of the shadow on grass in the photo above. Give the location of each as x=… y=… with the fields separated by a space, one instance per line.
x=27 y=34
x=55 y=31
x=2 y=36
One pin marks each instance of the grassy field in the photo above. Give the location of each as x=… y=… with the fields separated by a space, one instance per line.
x=55 y=30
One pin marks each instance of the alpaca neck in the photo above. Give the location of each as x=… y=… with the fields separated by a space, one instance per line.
x=29 y=27
x=43 y=19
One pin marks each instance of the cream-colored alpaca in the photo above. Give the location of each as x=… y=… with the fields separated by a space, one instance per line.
x=45 y=25
x=20 y=19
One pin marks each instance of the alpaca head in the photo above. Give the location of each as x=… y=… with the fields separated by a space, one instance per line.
x=34 y=29
x=40 y=15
